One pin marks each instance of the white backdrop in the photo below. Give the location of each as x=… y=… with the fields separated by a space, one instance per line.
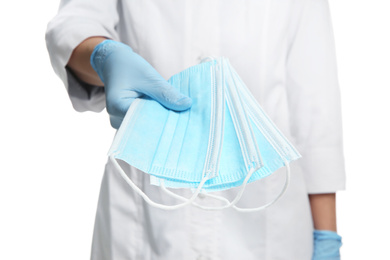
x=52 y=158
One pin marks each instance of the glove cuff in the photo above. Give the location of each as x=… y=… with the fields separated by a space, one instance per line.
x=326 y=235
x=326 y=245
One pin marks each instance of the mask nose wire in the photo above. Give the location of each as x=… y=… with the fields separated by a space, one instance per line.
x=147 y=199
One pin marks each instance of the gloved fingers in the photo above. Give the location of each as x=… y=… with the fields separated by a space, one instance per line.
x=118 y=112
x=115 y=121
x=117 y=106
x=168 y=96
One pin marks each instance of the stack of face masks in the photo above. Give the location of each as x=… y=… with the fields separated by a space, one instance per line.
x=223 y=141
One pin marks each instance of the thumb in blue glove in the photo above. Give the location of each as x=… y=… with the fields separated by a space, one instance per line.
x=126 y=76
x=326 y=245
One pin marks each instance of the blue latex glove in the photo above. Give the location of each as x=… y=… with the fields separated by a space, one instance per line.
x=126 y=76
x=326 y=245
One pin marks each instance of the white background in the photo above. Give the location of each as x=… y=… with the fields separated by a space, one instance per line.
x=52 y=158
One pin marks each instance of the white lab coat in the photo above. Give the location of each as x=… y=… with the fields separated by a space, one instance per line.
x=284 y=51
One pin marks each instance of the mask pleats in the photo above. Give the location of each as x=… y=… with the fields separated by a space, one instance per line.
x=220 y=139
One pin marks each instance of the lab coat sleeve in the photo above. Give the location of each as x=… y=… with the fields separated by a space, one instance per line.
x=76 y=21
x=314 y=100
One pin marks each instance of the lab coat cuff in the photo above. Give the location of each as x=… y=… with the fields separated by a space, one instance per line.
x=83 y=96
x=324 y=170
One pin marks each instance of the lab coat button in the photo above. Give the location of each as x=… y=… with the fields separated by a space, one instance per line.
x=201 y=257
x=201 y=196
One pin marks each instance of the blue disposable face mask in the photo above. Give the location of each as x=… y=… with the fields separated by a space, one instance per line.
x=223 y=141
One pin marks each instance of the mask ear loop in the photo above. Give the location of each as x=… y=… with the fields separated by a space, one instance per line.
x=239 y=194
x=286 y=183
x=147 y=199
x=207 y=59
x=228 y=203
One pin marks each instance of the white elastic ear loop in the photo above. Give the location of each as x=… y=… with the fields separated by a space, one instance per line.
x=146 y=198
x=239 y=195
x=287 y=182
x=236 y=199
x=228 y=203
x=207 y=59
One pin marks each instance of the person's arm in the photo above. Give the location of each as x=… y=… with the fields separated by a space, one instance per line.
x=314 y=102
x=327 y=241
x=79 y=61
x=323 y=210
x=316 y=125
x=76 y=21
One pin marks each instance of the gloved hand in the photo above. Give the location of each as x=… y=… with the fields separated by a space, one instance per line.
x=326 y=245
x=126 y=76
